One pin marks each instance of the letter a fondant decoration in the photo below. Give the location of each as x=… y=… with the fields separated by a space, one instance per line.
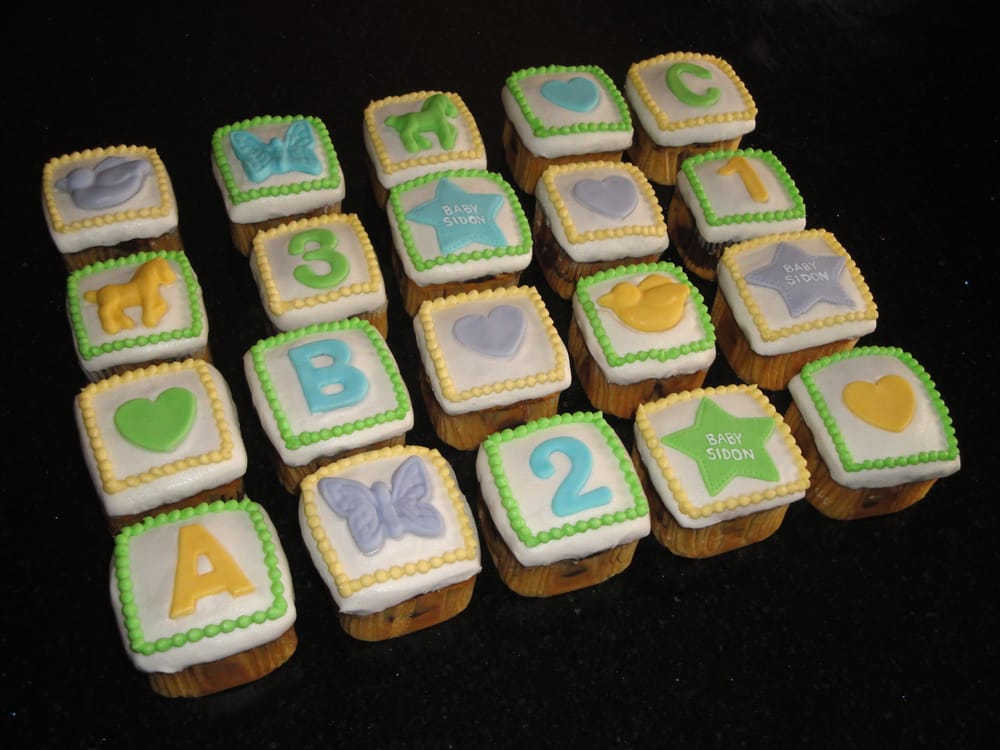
x=327 y=378
x=194 y=542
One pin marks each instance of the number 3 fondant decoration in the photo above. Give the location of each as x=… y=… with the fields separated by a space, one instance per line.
x=321 y=244
x=569 y=497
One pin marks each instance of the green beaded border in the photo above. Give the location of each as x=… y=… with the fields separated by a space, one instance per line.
x=541 y=130
x=422 y=264
x=663 y=355
x=491 y=445
x=295 y=441
x=797 y=212
x=126 y=596
x=889 y=462
x=75 y=301
x=330 y=182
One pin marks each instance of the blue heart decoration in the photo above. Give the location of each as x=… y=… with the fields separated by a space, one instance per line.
x=614 y=196
x=497 y=334
x=576 y=94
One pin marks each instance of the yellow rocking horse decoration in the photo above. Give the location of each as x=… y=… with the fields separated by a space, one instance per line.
x=142 y=290
x=432 y=117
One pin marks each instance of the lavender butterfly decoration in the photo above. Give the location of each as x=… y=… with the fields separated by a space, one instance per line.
x=380 y=511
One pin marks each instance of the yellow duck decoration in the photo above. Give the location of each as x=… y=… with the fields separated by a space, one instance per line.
x=654 y=304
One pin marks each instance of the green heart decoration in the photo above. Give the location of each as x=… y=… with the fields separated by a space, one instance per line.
x=158 y=424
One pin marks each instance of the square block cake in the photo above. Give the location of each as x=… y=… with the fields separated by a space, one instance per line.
x=724 y=197
x=203 y=597
x=393 y=538
x=161 y=437
x=684 y=104
x=591 y=216
x=106 y=203
x=639 y=332
x=874 y=430
x=561 y=507
x=489 y=360
x=273 y=169
x=325 y=391
x=787 y=299
x=720 y=467
x=317 y=270
x=561 y=113
x=456 y=231
x=416 y=134
x=134 y=311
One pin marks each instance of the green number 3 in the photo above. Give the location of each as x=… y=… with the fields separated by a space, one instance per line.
x=324 y=243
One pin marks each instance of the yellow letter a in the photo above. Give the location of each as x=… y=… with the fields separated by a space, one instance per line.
x=193 y=541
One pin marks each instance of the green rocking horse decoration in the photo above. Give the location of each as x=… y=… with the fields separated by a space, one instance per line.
x=433 y=117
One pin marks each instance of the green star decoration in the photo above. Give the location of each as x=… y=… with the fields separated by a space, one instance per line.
x=725 y=447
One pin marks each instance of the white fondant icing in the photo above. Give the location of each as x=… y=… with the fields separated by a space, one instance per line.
x=394 y=553
x=865 y=441
x=534 y=497
x=298 y=418
x=153 y=558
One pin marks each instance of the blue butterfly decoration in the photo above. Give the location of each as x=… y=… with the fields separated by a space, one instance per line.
x=380 y=511
x=293 y=153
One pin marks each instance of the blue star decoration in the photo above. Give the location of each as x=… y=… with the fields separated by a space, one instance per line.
x=725 y=446
x=802 y=279
x=460 y=218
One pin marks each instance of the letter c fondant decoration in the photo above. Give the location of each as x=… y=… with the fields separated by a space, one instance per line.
x=680 y=89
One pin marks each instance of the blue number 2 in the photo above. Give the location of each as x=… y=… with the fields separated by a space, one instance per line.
x=569 y=497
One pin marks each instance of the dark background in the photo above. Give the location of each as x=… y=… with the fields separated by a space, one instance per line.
x=874 y=633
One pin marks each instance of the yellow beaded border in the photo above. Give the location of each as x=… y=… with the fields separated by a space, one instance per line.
x=99 y=449
x=869 y=311
x=275 y=303
x=152 y=212
x=425 y=316
x=347 y=585
x=478 y=151
x=657 y=229
x=663 y=119
x=655 y=447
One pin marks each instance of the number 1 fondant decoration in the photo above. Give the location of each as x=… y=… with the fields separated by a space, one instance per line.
x=725 y=446
x=615 y=196
x=293 y=153
x=142 y=290
x=380 y=511
x=328 y=379
x=108 y=184
x=887 y=404
x=653 y=305
x=751 y=180
x=802 y=280
x=497 y=334
x=434 y=116
x=679 y=88
x=460 y=218
x=159 y=424
x=319 y=245
x=577 y=94
x=569 y=497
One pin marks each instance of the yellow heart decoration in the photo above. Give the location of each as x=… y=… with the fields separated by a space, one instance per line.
x=888 y=403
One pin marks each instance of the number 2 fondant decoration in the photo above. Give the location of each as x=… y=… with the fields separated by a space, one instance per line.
x=293 y=153
x=751 y=180
x=319 y=245
x=569 y=497
x=329 y=381
x=653 y=305
x=497 y=334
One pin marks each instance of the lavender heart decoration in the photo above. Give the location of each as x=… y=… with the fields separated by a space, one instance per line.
x=496 y=334
x=614 y=196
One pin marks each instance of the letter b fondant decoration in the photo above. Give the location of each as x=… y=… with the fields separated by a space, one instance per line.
x=327 y=378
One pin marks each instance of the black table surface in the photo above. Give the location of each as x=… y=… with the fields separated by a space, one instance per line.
x=872 y=633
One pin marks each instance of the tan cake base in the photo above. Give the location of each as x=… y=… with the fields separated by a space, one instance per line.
x=414 y=294
x=417 y=613
x=466 y=431
x=622 y=400
x=557 y=578
x=243 y=234
x=844 y=503
x=379 y=318
x=230 y=491
x=233 y=671
x=709 y=541
x=770 y=372
x=698 y=257
x=98 y=375
x=660 y=164
x=169 y=241
x=380 y=192
x=291 y=476
x=526 y=168
x=561 y=272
